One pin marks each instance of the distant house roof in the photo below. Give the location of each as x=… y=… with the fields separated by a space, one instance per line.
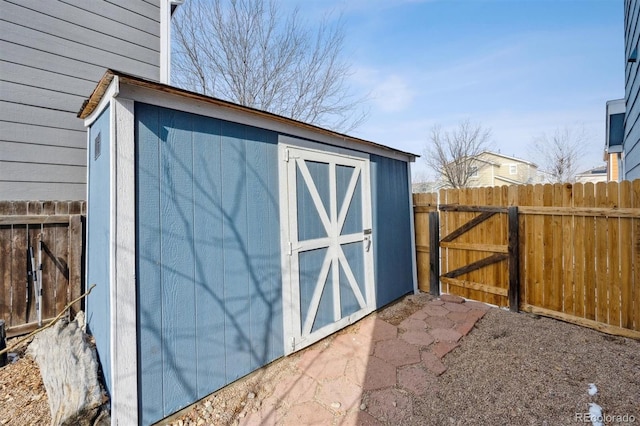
x=520 y=160
x=99 y=92
x=600 y=170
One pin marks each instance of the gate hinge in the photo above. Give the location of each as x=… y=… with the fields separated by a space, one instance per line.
x=293 y=343
x=290 y=248
x=286 y=155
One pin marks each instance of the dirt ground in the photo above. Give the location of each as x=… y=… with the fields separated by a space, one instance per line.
x=514 y=369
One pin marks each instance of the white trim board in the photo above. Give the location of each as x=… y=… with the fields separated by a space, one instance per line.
x=123 y=283
x=181 y=103
x=111 y=92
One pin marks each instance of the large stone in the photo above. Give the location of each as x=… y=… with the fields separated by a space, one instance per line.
x=69 y=370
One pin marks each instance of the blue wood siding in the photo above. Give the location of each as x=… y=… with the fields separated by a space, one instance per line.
x=632 y=90
x=208 y=236
x=391 y=229
x=98 y=253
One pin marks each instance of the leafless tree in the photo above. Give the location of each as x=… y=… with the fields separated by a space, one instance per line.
x=559 y=153
x=247 y=52
x=453 y=154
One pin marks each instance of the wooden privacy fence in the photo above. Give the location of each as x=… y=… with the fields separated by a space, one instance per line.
x=60 y=227
x=577 y=257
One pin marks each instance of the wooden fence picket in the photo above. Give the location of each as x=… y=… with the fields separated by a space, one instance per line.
x=60 y=227
x=579 y=245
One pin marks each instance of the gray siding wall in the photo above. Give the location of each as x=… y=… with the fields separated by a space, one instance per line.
x=52 y=54
x=98 y=232
x=632 y=90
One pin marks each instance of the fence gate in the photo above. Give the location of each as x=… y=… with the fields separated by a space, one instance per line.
x=479 y=253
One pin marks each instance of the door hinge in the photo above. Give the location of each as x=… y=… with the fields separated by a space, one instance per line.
x=290 y=248
x=293 y=343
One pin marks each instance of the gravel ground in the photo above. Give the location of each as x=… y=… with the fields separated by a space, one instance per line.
x=522 y=369
x=23 y=398
x=512 y=369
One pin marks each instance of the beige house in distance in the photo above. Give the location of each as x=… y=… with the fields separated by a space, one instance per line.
x=495 y=169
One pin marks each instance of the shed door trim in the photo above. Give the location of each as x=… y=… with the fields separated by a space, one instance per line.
x=332 y=274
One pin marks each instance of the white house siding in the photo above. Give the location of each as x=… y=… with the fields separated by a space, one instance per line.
x=632 y=89
x=52 y=54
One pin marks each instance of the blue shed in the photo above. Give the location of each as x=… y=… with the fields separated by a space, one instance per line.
x=222 y=237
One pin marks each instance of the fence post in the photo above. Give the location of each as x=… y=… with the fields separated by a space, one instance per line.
x=434 y=253
x=3 y=344
x=76 y=262
x=514 y=260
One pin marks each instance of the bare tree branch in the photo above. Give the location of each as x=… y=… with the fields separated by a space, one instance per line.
x=247 y=52
x=453 y=154
x=559 y=153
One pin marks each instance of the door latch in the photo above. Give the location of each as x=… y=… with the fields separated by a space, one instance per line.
x=367 y=239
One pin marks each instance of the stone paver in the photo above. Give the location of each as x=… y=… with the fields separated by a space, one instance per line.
x=419 y=315
x=432 y=363
x=440 y=349
x=465 y=327
x=295 y=389
x=325 y=365
x=352 y=344
x=309 y=413
x=459 y=317
x=445 y=335
x=397 y=352
x=412 y=324
x=451 y=298
x=378 y=330
x=265 y=416
x=435 y=310
x=456 y=307
x=476 y=314
x=439 y=322
x=418 y=338
x=477 y=305
x=390 y=405
x=340 y=395
x=359 y=418
x=366 y=374
x=378 y=374
x=415 y=378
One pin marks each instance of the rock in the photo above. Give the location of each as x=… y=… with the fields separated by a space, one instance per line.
x=363 y=406
x=251 y=395
x=335 y=405
x=69 y=369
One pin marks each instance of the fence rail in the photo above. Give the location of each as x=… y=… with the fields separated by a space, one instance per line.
x=578 y=249
x=60 y=227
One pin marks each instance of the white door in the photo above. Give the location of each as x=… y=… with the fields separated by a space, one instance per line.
x=327 y=247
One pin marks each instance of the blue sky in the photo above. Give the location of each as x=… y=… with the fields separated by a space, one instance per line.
x=519 y=67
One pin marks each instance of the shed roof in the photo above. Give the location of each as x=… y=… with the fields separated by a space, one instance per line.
x=90 y=105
